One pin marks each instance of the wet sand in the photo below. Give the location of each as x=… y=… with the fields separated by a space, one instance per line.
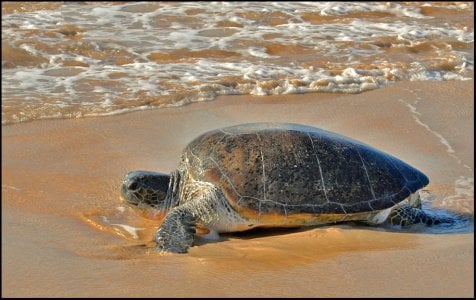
x=60 y=181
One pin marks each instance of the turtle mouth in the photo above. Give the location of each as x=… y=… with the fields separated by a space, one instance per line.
x=130 y=191
x=131 y=194
x=128 y=196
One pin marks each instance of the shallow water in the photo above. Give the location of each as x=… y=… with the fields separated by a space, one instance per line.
x=75 y=59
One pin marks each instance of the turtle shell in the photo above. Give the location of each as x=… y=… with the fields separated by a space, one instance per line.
x=275 y=168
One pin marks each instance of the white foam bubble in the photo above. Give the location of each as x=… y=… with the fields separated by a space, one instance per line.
x=463 y=197
x=6 y=186
x=259 y=52
x=130 y=229
x=443 y=141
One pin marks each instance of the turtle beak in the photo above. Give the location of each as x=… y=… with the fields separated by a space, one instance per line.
x=127 y=188
x=124 y=192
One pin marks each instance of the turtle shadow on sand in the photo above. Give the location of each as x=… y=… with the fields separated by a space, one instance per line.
x=464 y=223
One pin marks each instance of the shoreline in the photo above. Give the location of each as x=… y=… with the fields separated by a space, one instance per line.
x=56 y=172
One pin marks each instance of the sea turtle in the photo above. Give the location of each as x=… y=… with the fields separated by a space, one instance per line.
x=276 y=175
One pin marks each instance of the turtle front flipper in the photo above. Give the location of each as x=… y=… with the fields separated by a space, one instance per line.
x=407 y=215
x=177 y=231
x=176 y=234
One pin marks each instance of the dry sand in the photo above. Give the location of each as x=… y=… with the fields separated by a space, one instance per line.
x=61 y=177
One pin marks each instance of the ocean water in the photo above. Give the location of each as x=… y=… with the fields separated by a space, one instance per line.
x=79 y=59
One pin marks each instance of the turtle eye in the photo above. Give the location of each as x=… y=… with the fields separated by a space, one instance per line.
x=132 y=185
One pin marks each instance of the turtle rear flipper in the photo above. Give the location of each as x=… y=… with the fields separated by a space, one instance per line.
x=407 y=215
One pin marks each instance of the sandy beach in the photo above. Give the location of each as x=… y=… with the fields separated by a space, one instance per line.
x=61 y=178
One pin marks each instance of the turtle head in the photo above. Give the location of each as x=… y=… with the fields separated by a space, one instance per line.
x=146 y=190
